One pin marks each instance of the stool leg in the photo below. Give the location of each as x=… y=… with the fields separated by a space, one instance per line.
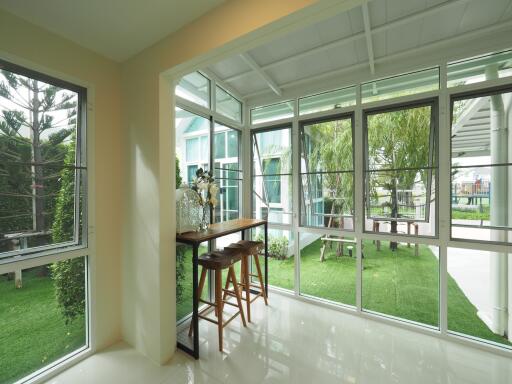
x=199 y=293
x=247 y=285
x=218 y=304
x=237 y=294
x=260 y=278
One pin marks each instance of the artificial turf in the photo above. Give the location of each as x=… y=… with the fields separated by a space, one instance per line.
x=33 y=332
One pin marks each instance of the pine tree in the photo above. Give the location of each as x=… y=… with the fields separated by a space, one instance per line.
x=29 y=108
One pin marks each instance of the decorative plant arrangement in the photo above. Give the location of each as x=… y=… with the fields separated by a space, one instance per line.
x=205 y=186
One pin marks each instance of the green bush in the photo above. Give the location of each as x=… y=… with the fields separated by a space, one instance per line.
x=180 y=250
x=277 y=246
x=68 y=275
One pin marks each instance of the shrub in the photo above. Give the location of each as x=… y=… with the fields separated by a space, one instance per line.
x=180 y=250
x=277 y=246
x=68 y=275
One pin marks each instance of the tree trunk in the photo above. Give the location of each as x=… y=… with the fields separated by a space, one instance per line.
x=393 y=245
x=37 y=169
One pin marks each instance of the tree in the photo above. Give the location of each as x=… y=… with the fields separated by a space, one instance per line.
x=42 y=116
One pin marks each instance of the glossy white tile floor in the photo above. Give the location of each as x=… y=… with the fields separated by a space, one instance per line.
x=295 y=342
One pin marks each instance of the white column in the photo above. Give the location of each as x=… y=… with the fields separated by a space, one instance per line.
x=498 y=207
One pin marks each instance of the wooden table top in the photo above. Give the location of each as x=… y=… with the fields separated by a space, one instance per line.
x=218 y=230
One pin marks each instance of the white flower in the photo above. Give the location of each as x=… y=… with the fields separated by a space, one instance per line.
x=214 y=189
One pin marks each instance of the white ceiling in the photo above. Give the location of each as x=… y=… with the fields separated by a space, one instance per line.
x=341 y=42
x=117 y=29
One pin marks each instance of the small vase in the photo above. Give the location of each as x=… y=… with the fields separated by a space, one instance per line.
x=205 y=220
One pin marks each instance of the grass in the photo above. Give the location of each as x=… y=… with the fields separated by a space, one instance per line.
x=460 y=214
x=33 y=332
x=397 y=283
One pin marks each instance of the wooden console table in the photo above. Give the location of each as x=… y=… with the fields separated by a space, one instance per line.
x=214 y=232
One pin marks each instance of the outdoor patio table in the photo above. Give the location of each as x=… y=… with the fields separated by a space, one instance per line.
x=213 y=232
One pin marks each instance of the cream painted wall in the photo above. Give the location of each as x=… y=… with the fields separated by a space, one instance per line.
x=35 y=48
x=149 y=227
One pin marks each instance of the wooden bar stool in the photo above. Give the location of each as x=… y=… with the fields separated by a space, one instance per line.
x=217 y=262
x=250 y=248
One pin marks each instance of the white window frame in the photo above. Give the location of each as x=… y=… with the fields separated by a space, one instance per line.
x=443 y=199
x=17 y=261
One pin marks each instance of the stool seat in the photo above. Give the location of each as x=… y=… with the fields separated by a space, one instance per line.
x=219 y=260
x=252 y=246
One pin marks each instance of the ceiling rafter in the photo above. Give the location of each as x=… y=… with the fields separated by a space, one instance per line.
x=261 y=73
x=462 y=37
x=368 y=35
x=355 y=37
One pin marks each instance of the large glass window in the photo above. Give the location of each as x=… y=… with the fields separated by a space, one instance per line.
x=327 y=174
x=42 y=316
x=328 y=267
x=401 y=282
x=271 y=184
x=481 y=167
x=194 y=87
x=400 y=174
x=477 y=300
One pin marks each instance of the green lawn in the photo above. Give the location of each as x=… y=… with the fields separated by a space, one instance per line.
x=394 y=283
x=33 y=332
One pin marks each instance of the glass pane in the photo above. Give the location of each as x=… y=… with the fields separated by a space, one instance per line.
x=275 y=144
x=272 y=112
x=400 y=202
x=401 y=85
x=228 y=173
x=478 y=69
x=38 y=140
x=192 y=145
x=326 y=101
x=58 y=208
x=401 y=280
x=328 y=267
x=233 y=143
x=327 y=200
x=195 y=88
x=477 y=286
x=327 y=146
x=227 y=105
x=400 y=139
x=42 y=317
x=272 y=198
x=479 y=198
x=219 y=145
x=281 y=261
x=479 y=129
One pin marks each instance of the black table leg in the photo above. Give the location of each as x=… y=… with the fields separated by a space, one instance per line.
x=195 y=299
x=266 y=258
